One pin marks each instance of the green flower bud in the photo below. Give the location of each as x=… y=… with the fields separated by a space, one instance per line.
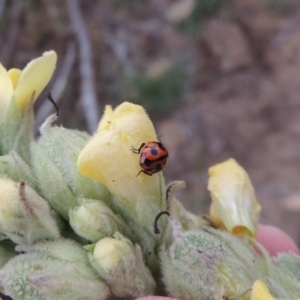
x=208 y=264
x=54 y=158
x=121 y=265
x=52 y=270
x=15 y=168
x=25 y=217
x=94 y=220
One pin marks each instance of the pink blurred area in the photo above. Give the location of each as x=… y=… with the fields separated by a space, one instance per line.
x=275 y=240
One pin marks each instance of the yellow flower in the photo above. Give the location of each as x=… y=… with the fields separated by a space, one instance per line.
x=109 y=159
x=234 y=205
x=260 y=291
x=23 y=84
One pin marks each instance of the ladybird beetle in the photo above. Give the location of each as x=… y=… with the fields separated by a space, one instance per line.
x=153 y=157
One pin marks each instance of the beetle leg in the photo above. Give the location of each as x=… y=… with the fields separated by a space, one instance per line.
x=137 y=151
x=143 y=171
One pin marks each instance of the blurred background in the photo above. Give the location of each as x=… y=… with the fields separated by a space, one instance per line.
x=219 y=79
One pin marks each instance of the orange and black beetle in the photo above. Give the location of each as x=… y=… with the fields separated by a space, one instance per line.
x=153 y=158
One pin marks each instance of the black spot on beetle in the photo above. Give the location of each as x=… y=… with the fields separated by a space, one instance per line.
x=154 y=151
x=158 y=167
x=148 y=162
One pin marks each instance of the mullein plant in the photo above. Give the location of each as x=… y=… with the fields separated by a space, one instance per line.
x=76 y=222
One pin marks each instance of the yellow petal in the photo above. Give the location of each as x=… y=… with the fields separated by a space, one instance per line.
x=234 y=203
x=260 y=291
x=34 y=78
x=134 y=122
x=109 y=159
x=6 y=90
x=105 y=122
x=14 y=75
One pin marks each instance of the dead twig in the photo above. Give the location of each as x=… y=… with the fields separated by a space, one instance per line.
x=88 y=95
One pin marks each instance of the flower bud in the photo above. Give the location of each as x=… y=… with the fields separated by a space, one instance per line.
x=52 y=270
x=15 y=168
x=234 y=205
x=54 y=158
x=207 y=264
x=94 y=220
x=121 y=265
x=25 y=217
